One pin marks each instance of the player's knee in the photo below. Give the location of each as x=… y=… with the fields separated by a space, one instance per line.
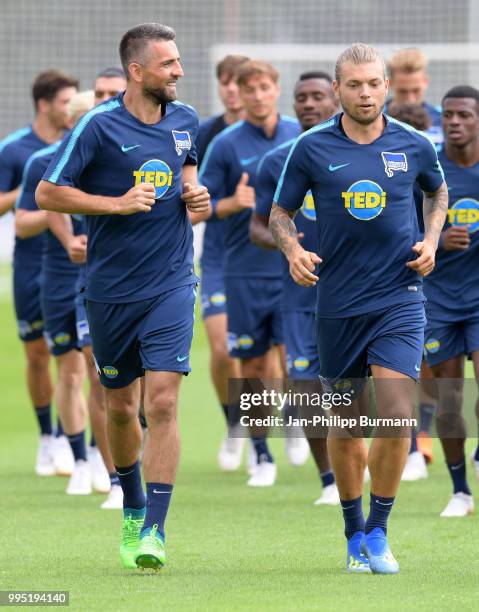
x=161 y=407
x=220 y=356
x=72 y=380
x=122 y=411
x=38 y=358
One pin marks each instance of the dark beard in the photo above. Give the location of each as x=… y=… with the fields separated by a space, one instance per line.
x=158 y=96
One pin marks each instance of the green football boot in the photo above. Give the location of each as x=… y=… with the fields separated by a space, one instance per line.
x=150 y=553
x=130 y=540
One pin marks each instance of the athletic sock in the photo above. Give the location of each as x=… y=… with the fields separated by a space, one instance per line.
x=426 y=415
x=413 y=448
x=44 y=417
x=458 y=475
x=379 y=511
x=130 y=481
x=92 y=440
x=158 y=496
x=261 y=448
x=77 y=444
x=114 y=479
x=476 y=454
x=353 y=516
x=327 y=478
x=59 y=431
x=232 y=414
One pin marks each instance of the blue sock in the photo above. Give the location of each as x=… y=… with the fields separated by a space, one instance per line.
x=77 y=443
x=44 y=417
x=327 y=478
x=426 y=415
x=413 y=448
x=261 y=448
x=476 y=454
x=114 y=480
x=353 y=516
x=379 y=511
x=158 y=496
x=130 y=480
x=92 y=440
x=458 y=475
x=59 y=432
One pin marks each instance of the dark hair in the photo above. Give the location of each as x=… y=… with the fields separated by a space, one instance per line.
x=47 y=84
x=412 y=114
x=463 y=91
x=111 y=72
x=315 y=74
x=229 y=65
x=134 y=43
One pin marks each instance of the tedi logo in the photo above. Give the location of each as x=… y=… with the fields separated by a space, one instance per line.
x=307 y=208
x=465 y=212
x=364 y=200
x=156 y=172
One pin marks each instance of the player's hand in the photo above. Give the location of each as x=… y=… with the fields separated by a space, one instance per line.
x=301 y=266
x=197 y=199
x=456 y=238
x=139 y=198
x=76 y=249
x=426 y=256
x=244 y=196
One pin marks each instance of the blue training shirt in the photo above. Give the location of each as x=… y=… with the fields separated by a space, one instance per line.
x=295 y=297
x=363 y=195
x=132 y=257
x=452 y=288
x=236 y=150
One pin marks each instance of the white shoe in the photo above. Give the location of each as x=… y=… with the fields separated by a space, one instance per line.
x=231 y=450
x=329 y=496
x=264 y=475
x=80 y=480
x=252 y=461
x=460 y=504
x=62 y=456
x=99 y=474
x=475 y=464
x=297 y=450
x=415 y=468
x=114 y=501
x=44 y=463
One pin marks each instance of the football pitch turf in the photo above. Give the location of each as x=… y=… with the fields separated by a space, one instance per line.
x=229 y=547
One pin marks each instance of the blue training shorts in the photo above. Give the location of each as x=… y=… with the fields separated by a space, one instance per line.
x=26 y=295
x=83 y=329
x=301 y=349
x=213 y=298
x=445 y=340
x=58 y=306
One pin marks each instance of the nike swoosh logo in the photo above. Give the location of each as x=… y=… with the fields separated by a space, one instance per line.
x=416 y=368
x=180 y=359
x=248 y=160
x=383 y=503
x=332 y=168
x=155 y=491
x=126 y=149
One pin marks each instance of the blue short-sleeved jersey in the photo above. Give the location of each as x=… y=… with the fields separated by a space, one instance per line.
x=236 y=150
x=132 y=257
x=15 y=150
x=363 y=195
x=295 y=297
x=452 y=289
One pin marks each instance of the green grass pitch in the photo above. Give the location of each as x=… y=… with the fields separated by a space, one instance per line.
x=229 y=547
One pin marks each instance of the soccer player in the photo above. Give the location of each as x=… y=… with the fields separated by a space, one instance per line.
x=51 y=93
x=108 y=83
x=213 y=299
x=361 y=167
x=252 y=276
x=452 y=290
x=129 y=166
x=409 y=81
x=314 y=102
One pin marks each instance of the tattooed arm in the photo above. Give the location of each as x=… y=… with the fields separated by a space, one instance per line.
x=435 y=211
x=301 y=263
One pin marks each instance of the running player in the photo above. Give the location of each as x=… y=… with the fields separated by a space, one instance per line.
x=361 y=167
x=452 y=290
x=129 y=165
x=51 y=93
x=213 y=299
x=409 y=81
x=314 y=102
x=252 y=276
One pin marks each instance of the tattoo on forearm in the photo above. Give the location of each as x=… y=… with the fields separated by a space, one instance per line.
x=283 y=229
x=435 y=210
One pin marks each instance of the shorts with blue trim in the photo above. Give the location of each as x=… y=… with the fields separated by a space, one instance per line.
x=255 y=318
x=58 y=306
x=392 y=337
x=83 y=329
x=302 y=358
x=26 y=296
x=213 y=297
x=153 y=334
x=445 y=340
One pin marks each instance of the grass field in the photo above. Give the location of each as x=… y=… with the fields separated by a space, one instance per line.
x=229 y=547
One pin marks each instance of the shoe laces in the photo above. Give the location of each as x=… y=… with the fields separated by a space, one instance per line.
x=130 y=530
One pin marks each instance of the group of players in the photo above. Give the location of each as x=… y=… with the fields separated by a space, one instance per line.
x=128 y=165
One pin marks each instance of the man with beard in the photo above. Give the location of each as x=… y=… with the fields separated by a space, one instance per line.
x=130 y=166
x=361 y=167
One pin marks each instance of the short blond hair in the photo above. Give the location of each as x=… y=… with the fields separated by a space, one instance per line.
x=407 y=60
x=81 y=103
x=358 y=53
x=253 y=68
